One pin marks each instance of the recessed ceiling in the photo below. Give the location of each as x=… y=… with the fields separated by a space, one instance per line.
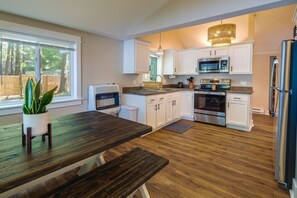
x=132 y=18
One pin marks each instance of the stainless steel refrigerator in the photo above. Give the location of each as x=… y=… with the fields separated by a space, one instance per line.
x=286 y=94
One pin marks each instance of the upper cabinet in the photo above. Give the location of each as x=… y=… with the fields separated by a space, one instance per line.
x=136 y=57
x=188 y=61
x=171 y=62
x=213 y=52
x=241 y=58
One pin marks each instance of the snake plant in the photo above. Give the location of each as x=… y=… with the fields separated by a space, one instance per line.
x=34 y=103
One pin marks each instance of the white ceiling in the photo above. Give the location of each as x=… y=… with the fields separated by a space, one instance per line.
x=122 y=19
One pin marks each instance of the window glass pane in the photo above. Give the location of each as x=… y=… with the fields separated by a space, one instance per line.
x=17 y=65
x=55 y=70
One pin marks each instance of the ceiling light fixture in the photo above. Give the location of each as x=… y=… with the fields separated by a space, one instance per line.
x=221 y=35
x=160 y=50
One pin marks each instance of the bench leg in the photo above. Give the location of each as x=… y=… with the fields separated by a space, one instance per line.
x=144 y=191
x=98 y=160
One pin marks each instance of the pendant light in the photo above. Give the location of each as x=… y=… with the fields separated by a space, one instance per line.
x=160 y=50
x=221 y=35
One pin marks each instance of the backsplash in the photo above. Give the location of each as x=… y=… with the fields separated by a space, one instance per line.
x=236 y=80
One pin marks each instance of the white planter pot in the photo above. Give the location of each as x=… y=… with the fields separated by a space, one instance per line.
x=38 y=123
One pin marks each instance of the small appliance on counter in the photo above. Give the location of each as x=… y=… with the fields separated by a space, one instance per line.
x=180 y=85
x=210 y=101
x=191 y=82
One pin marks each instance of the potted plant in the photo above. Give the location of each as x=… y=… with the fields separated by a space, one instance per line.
x=35 y=114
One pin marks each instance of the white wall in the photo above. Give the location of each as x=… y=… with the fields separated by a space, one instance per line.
x=271 y=27
x=101 y=63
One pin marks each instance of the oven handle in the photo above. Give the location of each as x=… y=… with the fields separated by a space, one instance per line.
x=210 y=93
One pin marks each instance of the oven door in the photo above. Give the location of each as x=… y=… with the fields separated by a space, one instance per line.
x=211 y=65
x=213 y=103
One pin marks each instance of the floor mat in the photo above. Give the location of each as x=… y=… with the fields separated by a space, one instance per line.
x=178 y=127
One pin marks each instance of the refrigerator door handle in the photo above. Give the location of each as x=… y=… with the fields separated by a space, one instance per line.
x=272 y=76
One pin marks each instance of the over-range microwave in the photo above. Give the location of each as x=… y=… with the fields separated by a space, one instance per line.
x=213 y=65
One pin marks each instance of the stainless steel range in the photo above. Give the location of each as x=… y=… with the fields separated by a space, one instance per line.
x=210 y=101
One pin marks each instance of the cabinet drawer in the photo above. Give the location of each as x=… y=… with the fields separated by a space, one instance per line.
x=151 y=99
x=237 y=97
x=160 y=98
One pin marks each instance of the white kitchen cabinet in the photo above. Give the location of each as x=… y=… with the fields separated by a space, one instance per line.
x=238 y=111
x=241 y=58
x=161 y=111
x=171 y=66
x=155 y=110
x=172 y=107
x=187 y=105
x=136 y=57
x=188 y=62
x=151 y=109
x=213 y=52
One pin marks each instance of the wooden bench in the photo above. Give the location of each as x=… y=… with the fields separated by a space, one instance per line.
x=120 y=177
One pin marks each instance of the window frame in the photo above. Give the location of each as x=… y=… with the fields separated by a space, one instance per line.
x=14 y=107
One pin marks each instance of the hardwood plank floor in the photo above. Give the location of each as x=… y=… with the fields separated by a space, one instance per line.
x=211 y=161
x=206 y=161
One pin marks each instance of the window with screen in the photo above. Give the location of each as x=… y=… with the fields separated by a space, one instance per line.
x=52 y=60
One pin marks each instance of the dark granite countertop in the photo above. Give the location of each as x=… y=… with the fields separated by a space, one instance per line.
x=241 y=90
x=145 y=92
x=165 y=90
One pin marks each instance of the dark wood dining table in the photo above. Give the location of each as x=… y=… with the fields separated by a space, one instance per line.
x=76 y=139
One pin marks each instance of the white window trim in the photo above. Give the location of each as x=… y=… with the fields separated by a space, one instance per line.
x=13 y=107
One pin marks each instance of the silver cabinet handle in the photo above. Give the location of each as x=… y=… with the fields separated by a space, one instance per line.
x=158 y=106
x=231 y=68
x=152 y=100
x=236 y=98
x=228 y=104
x=155 y=107
x=175 y=69
x=210 y=53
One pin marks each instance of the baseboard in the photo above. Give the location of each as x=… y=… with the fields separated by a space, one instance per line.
x=293 y=191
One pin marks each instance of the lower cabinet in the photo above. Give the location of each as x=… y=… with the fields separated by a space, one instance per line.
x=187 y=105
x=238 y=111
x=155 y=110
x=172 y=107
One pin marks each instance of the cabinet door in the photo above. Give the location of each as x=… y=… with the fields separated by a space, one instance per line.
x=205 y=53
x=151 y=114
x=175 y=108
x=241 y=59
x=220 y=51
x=170 y=62
x=237 y=113
x=169 y=112
x=186 y=104
x=189 y=110
x=188 y=61
x=142 y=57
x=161 y=111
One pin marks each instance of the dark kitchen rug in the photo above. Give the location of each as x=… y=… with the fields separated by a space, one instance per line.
x=178 y=127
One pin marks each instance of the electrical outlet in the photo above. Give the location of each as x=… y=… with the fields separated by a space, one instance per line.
x=243 y=83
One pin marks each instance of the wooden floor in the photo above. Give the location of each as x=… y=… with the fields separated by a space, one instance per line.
x=206 y=161
x=211 y=161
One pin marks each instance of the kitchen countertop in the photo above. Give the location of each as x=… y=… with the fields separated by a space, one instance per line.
x=165 y=90
x=241 y=90
x=144 y=92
